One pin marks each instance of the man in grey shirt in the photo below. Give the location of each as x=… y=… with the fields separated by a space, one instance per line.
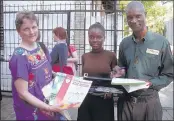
x=146 y=56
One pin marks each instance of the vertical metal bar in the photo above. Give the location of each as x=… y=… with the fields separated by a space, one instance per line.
x=9 y=46
x=1 y=26
x=70 y=21
x=57 y=17
x=85 y=30
x=106 y=32
x=79 y=31
x=115 y=28
x=18 y=34
x=5 y=23
x=95 y=5
x=68 y=26
x=66 y=16
x=32 y=7
x=70 y=6
x=90 y=13
x=52 y=27
x=65 y=6
x=122 y=22
x=24 y=7
x=36 y=7
x=42 y=9
x=111 y=32
x=1 y=35
x=92 y=7
x=47 y=18
x=61 y=13
x=14 y=30
x=38 y=22
x=55 y=20
x=49 y=32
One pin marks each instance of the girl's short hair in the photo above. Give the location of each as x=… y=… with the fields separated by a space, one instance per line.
x=98 y=26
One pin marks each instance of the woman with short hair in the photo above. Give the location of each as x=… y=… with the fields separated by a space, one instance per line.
x=31 y=71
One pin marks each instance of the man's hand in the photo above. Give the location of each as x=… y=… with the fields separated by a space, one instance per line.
x=118 y=72
x=148 y=83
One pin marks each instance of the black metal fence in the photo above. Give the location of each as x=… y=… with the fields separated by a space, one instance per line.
x=75 y=17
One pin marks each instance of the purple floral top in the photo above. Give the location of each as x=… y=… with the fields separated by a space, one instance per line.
x=34 y=67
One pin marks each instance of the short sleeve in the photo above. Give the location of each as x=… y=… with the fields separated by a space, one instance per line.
x=72 y=48
x=19 y=67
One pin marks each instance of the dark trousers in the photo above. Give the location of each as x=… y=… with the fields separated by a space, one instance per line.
x=142 y=108
x=95 y=108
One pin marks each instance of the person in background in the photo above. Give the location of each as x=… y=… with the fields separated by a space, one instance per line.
x=72 y=58
x=31 y=70
x=97 y=106
x=61 y=52
x=146 y=56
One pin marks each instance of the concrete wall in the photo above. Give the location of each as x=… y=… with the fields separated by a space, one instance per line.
x=169 y=30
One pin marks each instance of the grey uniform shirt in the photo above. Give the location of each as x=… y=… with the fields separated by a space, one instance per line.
x=149 y=60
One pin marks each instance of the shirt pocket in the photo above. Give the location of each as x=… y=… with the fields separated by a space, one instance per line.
x=151 y=64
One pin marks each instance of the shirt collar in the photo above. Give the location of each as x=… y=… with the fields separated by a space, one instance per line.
x=61 y=41
x=145 y=36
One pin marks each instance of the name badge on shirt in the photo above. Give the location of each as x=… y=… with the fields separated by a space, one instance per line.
x=152 y=51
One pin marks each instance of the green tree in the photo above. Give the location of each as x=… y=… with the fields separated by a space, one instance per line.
x=154 y=19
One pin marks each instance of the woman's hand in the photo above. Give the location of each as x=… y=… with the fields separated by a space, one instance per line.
x=51 y=109
x=118 y=72
x=47 y=113
x=57 y=108
x=22 y=89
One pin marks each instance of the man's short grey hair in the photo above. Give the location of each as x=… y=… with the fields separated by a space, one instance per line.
x=20 y=16
x=135 y=5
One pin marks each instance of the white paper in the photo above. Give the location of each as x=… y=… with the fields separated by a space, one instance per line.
x=130 y=85
x=133 y=88
x=74 y=93
x=77 y=91
x=125 y=81
x=71 y=96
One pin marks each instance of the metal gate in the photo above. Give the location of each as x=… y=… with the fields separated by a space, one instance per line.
x=75 y=17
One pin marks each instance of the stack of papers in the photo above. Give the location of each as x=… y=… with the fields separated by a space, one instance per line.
x=130 y=85
x=67 y=89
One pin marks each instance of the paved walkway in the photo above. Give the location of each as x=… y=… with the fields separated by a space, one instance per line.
x=7 y=112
